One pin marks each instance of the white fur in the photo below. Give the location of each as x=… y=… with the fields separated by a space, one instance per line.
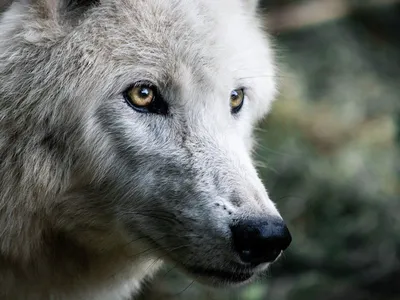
x=94 y=195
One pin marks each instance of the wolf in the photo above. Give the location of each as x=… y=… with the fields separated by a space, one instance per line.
x=126 y=140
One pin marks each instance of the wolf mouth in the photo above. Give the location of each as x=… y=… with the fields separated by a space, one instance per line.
x=229 y=277
x=232 y=277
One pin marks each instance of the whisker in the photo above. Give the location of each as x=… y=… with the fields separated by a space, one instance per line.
x=262 y=147
x=151 y=250
x=184 y=290
x=290 y=196
x=169 y=271
x=156 y=248
x=259 y=129
x=161 y=218
x=261 y=165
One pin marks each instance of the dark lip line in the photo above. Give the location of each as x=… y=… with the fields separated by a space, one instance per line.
x=231 y=276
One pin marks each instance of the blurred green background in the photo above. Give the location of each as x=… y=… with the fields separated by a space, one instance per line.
x=330 y=150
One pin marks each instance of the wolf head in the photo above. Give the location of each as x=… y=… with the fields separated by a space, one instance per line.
x=132 y=121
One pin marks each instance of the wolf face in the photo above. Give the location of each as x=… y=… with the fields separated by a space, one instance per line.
x=132 y=121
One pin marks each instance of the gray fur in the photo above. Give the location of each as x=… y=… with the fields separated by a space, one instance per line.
x=94 y=196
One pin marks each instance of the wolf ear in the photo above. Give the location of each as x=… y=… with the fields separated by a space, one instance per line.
x=251 y=5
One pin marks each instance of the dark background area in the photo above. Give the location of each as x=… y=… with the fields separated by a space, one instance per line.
x=330 y=148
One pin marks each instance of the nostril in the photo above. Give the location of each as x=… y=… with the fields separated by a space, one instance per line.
x=245 y=255
x=260 y=241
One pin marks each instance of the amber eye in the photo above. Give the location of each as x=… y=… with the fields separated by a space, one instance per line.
x=145 y=98
x=237 y=99
x=140 y=96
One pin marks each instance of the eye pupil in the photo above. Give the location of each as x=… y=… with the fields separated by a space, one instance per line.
x=237 y=98
x=140 y=96
x=234 y=95
x=144 y=92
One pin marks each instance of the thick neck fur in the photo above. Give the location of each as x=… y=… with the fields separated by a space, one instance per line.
x=39 y=172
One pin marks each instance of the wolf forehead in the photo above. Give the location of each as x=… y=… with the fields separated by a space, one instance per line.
x=160 y=42
x=157 y=37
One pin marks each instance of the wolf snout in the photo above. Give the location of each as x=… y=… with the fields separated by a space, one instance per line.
x=258 y=241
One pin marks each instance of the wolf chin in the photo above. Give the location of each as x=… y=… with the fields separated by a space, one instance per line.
x=126 y=141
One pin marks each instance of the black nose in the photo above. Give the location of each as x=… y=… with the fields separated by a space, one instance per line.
x=260 y=241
